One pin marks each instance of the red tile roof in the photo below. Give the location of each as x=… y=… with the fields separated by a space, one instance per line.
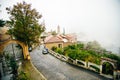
x=52 y=38
x=60 y=38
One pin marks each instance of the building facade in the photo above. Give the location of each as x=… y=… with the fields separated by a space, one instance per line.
x=60 y=41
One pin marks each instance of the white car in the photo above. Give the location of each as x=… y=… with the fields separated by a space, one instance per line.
x=45 y=51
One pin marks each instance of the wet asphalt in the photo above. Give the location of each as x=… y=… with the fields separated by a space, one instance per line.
x=55 y=69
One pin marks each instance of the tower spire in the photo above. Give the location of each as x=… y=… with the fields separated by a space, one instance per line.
x=63 y=31
x=58 y=29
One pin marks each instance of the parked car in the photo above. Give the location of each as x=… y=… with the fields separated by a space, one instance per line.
x=45 y=51
x=30 y=49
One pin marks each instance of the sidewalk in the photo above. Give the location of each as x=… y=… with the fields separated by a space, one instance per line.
x=31 y=71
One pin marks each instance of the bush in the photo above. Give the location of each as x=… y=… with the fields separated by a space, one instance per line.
x=13 y=65
x=54 y=48
x=80 y=45
x=59 y=50
x=96 y=68
x=73 y=54
x=107 y=68
x=22 y=76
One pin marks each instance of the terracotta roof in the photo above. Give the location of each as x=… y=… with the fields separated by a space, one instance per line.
x=52 y=38
x=71 y=37
x=60 y=38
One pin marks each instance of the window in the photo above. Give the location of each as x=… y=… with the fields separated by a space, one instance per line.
x=60 y=45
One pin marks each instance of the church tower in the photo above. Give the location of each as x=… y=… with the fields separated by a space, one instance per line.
x=63 y=31
x=58 y=29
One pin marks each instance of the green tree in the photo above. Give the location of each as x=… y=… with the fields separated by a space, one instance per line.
x=54 y=48
x=80 y=45
x=24 y=23
x=54 y=33
x=14 y=67
x=107 y=68
x=72 y=54
x=94 y=45
x=60 y=50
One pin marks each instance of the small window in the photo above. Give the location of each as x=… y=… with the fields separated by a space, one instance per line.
x=60 y=45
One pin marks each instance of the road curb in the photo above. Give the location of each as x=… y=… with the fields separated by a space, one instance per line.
x=43 y=77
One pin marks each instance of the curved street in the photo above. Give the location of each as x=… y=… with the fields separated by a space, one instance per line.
x=54 y=69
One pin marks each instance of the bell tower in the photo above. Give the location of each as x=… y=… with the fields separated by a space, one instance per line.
x=58 y=29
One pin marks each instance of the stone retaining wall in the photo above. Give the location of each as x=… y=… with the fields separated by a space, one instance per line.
x=80 y=63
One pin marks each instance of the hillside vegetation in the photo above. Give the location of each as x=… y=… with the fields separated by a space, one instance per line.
x=90 y=52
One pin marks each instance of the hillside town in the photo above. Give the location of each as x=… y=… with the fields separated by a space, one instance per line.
x=29 y=52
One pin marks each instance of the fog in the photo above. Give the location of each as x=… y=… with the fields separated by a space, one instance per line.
x=89 y=19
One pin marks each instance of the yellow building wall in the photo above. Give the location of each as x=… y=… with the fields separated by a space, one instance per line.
x=50 y=45
x=67 y=43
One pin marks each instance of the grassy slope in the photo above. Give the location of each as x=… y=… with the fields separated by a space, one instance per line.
x=31 y=71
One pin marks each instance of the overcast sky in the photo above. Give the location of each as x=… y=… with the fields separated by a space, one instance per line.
x=95 y=19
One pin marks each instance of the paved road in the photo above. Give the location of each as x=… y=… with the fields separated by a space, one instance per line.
x=54 y=69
